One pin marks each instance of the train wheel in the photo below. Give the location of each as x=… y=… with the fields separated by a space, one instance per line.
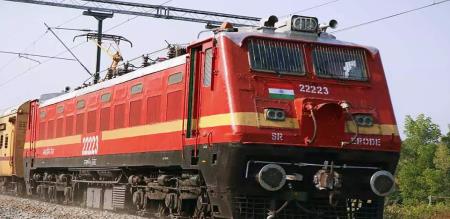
x=163 y=211
x=202 y=210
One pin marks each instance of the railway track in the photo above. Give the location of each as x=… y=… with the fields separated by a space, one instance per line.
x=13 y=207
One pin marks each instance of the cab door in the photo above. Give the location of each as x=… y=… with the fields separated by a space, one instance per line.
x=192 y=103
x=198 y=84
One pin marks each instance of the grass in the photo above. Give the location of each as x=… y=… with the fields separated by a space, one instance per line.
x=419 y=211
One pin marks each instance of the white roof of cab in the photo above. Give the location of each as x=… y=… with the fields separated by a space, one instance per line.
x=118 y=80
x=239 y=37
x=8 y=111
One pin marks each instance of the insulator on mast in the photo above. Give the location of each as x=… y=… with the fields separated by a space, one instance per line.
x=175 y=51
x=145 y=62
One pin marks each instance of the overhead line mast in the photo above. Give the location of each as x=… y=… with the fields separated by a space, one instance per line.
x=140 y=9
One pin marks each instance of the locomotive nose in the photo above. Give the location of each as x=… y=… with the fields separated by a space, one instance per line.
x=271 y=177
x=382 y=183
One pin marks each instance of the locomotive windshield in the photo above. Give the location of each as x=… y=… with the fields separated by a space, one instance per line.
x=347 y=64
x=276 y=56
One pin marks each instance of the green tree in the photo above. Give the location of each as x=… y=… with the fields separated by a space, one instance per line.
x=417 y=175
x=442 y=164
x=446 y=139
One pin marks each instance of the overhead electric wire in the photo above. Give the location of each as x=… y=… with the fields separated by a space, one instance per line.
x=313 y=7
x=29 y=46
x=130 y=19
x=36 y=55
x=71 y=48
x=73 y=29
x=390 y=16
x=39 y=38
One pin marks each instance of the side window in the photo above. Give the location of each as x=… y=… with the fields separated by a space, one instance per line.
x=6 y=141
x=42 y=114
x=175 y=78
x=81 y=104
x=208 y=68
x=60 y=109
x=137 y=89
x=105 y=97
x=1 y=141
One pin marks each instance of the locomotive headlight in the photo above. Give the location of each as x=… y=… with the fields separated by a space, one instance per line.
x=382 y=183
x=304 y=24
x=275 y=114
x=271 y=177
x=363 y=119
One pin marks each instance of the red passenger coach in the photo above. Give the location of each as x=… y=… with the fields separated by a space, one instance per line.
x=278 y=121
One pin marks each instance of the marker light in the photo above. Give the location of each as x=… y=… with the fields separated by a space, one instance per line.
x=275 y=114
x=365 y=120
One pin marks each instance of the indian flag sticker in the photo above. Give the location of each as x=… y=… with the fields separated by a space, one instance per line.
x=279 y=93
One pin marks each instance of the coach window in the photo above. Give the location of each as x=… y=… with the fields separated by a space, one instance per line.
x=81 y=104
x=105 y=98
x=6 y=141
x=1 y=141
x=175 y=78
x=208 y=68
x=42 y=114
x=137 y=89
x=2 y=126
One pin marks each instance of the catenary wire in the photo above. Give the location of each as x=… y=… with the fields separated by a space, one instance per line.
x=390 y=16
x=314 y=7
x=39 y=38
x=72 y=48
x=36 y=55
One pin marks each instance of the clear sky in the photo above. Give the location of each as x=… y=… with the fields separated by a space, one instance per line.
x=414 y=47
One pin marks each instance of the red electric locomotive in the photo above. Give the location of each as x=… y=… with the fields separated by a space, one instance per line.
x=280 y=121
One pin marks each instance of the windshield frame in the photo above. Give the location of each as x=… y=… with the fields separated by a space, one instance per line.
x=365 y=62
x=294 y=45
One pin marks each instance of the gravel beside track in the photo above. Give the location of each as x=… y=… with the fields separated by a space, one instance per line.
x=15 y=208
